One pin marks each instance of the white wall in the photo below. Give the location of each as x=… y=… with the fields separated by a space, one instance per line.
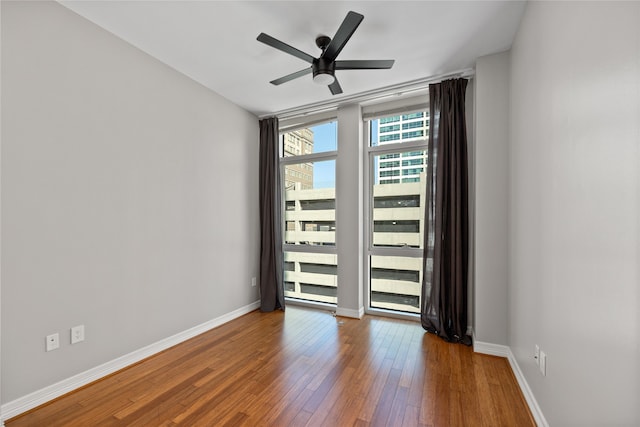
x=574 y=209
x=491 y=183
x=129 y=198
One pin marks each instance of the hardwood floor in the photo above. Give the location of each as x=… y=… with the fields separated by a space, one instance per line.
x=301 y=367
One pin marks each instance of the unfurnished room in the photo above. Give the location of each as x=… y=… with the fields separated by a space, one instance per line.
x=320 y=213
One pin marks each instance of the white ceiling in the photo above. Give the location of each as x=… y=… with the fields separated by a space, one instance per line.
x=214 y=42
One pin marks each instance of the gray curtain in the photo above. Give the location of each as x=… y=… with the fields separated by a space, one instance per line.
x=446 y=237
x=271 y=257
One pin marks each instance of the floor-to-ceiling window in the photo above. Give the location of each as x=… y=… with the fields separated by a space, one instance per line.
x=308 y=168
x=396 y=163
x=394 y=146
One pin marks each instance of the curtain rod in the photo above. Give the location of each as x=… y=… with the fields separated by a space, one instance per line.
x=372 y=95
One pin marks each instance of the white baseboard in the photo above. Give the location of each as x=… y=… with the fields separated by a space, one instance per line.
x=37 y=398
x=528 y=394
x=505 y=351
x=491 y=349
x=347 y=312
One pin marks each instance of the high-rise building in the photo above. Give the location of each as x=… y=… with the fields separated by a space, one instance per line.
x=297 y=143
x=396 y=168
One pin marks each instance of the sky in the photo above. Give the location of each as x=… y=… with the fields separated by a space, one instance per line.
x=325 y=137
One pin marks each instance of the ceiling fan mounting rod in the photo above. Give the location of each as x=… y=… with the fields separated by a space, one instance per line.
x=322 y=42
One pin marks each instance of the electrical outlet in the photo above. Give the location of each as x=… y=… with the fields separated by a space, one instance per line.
x=52 y=341
x=536 y=354
x=253 y=281
x=77 y=334
x=543 y=363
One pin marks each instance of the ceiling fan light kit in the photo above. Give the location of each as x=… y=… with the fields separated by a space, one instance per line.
x=323 y=68
x=323 y=71
x=324 y=78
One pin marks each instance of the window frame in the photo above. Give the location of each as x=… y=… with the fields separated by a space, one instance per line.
x=369 y=153
x=285 y=161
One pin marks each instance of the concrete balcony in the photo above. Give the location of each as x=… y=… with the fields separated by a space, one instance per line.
x=397 y=239
x=311 y=278
x=310 y=236
x=396 y=287
x=398 y=214
x=310 y=215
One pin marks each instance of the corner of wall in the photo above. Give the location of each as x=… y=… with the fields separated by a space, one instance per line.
x=491 y=198
x=505 y=351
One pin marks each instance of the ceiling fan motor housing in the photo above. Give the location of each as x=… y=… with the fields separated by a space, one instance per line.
x=322 y=66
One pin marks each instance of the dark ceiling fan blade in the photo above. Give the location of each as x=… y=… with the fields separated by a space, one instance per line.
x=382 y=64
x=335 y=88
x=291 y=76
x=275 y=43
x=344 y=33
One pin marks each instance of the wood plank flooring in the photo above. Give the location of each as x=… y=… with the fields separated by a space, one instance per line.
x=300 y=368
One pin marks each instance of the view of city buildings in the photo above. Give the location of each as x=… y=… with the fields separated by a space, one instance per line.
x=406 y=167
x=398 y=218
x=297 y=143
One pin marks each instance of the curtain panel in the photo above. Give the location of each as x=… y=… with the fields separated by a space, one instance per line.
x=446 y=237
x=271 y=257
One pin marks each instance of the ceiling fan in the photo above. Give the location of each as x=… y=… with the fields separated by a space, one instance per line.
x=323 y=68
